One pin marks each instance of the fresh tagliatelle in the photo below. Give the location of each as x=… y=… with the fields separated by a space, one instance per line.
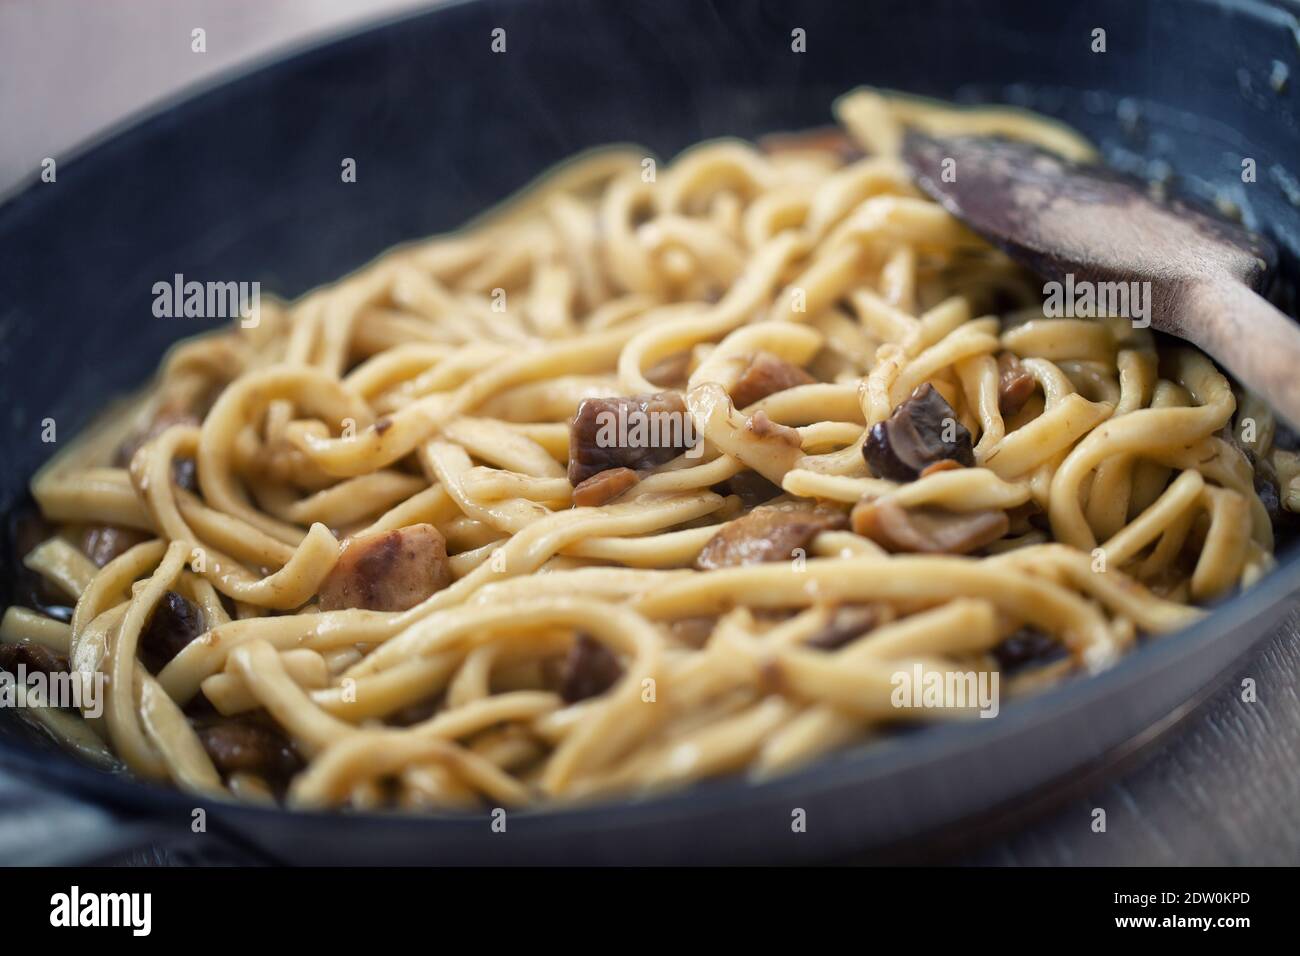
x=650 y=475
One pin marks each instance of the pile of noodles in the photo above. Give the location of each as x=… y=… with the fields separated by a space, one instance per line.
x=436 y=385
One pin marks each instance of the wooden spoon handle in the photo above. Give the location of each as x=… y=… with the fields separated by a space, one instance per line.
x=1256 y=342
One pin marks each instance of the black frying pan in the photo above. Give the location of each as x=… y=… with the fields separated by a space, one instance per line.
x=242 y=181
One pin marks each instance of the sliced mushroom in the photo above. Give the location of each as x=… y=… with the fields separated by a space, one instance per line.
x=103 y=543
x=671 y=372
x=603 y=486
x=590 y=669
x=637 y=433
x=927 y=530
x=1025 y=648
x=1015 y=384
x=170 y=628
x=769 y=533
x=846 y=625
x=32 y=657
x=766 y=375
x=749 y=486
x=244 y=745
x=921 y=431
x=388 y=570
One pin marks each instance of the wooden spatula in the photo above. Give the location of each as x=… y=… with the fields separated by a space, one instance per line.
x=1076 y=224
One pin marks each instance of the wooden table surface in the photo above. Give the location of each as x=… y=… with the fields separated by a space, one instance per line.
x=1224 y=788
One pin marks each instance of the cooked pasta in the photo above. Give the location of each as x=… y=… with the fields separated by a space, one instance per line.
x=650 y=475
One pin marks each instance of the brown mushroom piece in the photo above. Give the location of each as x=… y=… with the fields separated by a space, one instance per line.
x=168 y=631
x=589 y=670
x=846 y=625
x=927 y=530
x=32 y=658
x=103 y=543
x=247 y=746
x=749 y=486
x=387 y=570
x=1015 y=384
x=921 y=431
x=670 y=372
x=637 y=433
x=766 y=374
x=1026 y=648
x=603 y=486
x=768 y=533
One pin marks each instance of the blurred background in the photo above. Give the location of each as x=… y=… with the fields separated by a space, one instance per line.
x=69 y=69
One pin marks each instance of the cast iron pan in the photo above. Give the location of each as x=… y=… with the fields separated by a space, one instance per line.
x=242 y=182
